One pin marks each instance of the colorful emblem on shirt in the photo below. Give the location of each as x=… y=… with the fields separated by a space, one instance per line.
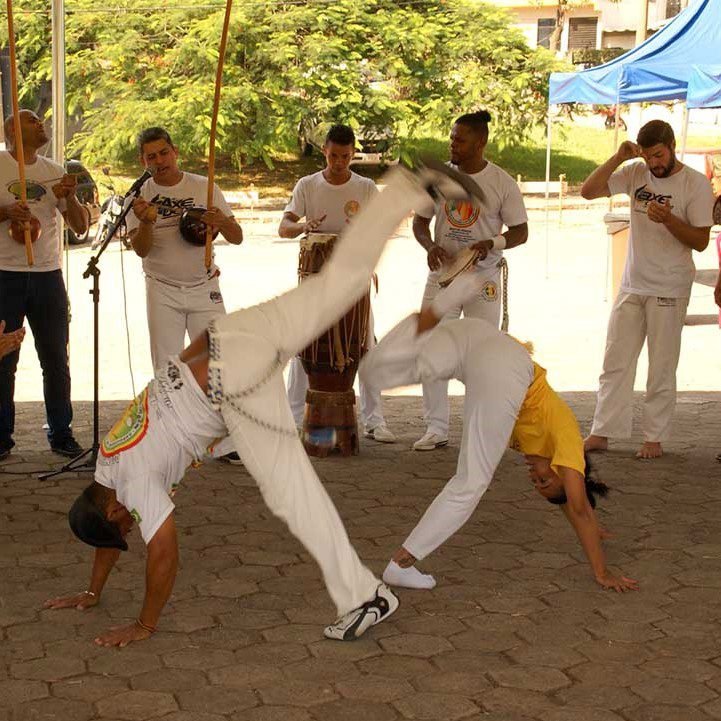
x=130 y=429
x=35 y=191
x=461 y=213
x=136 y=516
x=489 y=292
x=351 y=208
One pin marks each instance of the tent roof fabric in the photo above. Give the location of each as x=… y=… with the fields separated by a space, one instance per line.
x=658 y=69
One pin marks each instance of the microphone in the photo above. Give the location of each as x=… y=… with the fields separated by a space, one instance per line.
x=138 y=184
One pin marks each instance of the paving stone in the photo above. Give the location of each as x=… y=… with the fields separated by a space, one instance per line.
x=607 y=697
x=673 y=691
x=294 y=633
x=137 y=705
x=654 y=712
x=169 y=679
x=470 y=684
x=484 y=642
x=517 y=701
x=555 y=656
x=52 y=709
x=124 y=662
x=89 y=688
x=433 y=706
x=221 y=700
x=52 y=668
x=272 y=713
x=364 y=647
x=275 y=654
x=193 y=716
x=347 y=710
x=538 y=678
x=18 y=692
x=298 y=693
x=399 y=667
x=374 y=688
x=578 y=713
x=246 y=676
x=410 y=644
x=200 y=659
x=608 y=674
x=713 y=708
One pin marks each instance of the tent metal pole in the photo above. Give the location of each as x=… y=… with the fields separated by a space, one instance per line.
x=684 y=132
x=548 y=181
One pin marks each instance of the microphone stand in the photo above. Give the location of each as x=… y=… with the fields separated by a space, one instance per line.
x=87 y=460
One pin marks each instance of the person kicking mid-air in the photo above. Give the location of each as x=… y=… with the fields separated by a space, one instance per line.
x=230 y=381
x=507 y=398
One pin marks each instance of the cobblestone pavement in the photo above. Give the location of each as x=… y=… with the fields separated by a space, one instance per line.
x=516 y=629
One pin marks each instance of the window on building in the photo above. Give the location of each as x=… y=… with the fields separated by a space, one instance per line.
x=673 y=8
x=544 y=31
x=582 y=33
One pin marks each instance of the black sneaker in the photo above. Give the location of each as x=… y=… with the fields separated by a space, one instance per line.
x=4 y=453
x=356 y=622
x=232 y=458
x=68 y=447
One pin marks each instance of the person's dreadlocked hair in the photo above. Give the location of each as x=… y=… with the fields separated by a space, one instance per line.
x=593 y=487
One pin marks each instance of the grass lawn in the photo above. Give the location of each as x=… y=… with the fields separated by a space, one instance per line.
x=576 y=151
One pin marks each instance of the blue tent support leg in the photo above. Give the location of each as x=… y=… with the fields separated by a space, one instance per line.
x=548 y=180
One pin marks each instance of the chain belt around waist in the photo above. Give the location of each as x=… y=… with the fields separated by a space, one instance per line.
x=183 y=286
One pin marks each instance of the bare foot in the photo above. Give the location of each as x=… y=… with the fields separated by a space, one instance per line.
x=650 y=449
x=595 y=443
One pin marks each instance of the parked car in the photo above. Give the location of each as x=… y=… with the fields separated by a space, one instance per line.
x=87 y=192
x=373 y=146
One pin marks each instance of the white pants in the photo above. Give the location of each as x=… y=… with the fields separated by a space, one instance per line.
x=498 y=373
x=436 y=407
x=371 y=414
x=174 y=311
x=248 y=351
x=636 y=318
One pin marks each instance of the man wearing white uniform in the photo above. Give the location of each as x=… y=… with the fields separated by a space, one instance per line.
x=507 y=398
x=464 y=224
x=230 y=379
x=671 y=215
x=328 y=201
x=182 y=295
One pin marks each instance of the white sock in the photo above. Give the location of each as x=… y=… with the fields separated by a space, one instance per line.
x=409 y=577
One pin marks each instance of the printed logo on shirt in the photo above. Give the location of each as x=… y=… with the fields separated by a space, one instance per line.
x=666 y=302
x=461 y=213
x=489 y=292
x=129 y=430
x=171 y=207
x=176 y=382
x=215 y=296
x=35 y=191
x=136 y=516
x=643 y=196
x=351 y=208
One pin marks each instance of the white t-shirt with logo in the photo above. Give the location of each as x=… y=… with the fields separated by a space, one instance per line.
x=169 y=426
x=314 y=197
x=657 y=263
x=40 y=177
x=171 y=257
x=461 y=223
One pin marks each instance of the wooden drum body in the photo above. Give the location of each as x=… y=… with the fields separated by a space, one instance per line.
x=331 y=363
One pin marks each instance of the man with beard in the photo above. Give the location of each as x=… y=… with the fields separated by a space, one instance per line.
x=461 y=225
x=671 y=215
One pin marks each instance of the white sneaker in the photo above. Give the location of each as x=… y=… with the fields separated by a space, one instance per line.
x=356 y=622
x=430 y=441
x=380 y=433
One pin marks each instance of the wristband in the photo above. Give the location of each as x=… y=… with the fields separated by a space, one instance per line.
x=144 y=626
x=498 y=242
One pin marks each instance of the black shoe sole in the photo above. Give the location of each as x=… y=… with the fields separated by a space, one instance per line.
x=67 y=454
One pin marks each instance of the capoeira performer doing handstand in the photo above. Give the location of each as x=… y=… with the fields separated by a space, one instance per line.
x=507 y=398
x=230 y=381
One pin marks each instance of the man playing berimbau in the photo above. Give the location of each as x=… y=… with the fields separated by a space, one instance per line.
x=230 y=381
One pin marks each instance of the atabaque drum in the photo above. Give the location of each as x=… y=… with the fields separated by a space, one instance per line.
x=331 y=363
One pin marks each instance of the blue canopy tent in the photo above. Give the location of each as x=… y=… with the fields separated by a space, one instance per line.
x=679 y=62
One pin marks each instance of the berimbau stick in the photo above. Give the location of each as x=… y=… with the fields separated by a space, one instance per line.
x=213 y=126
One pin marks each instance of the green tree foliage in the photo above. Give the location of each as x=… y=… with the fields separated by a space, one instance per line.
x=409 y=67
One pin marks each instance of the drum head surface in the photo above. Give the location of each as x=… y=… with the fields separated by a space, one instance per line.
x=320 y=238
x=192 y=228
x=463 y=261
